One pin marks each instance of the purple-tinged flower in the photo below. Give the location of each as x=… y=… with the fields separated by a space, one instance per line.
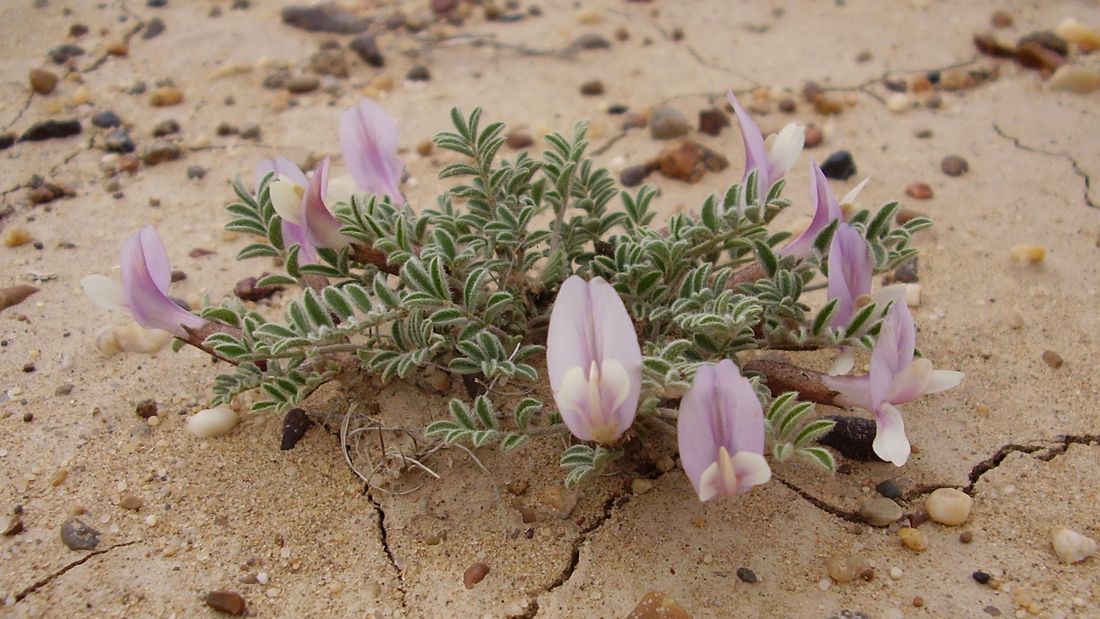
x=144 y=288
x=895 y=378
x=287 y=189
x=721 y=433
x=850 y=272
x=368 y=137
x=771 y=161
x=826 y=209
x=322 y=229
x=594 y=360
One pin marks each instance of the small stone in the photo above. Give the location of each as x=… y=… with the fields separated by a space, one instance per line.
x=42 y=81
x=919 y=190
x=1052 y=359
x=118 y=141
x=1001 y=19
x=982 y=578
x=667 y=122
x=106 y=119
x=1047 y=40
x=161 y=151
x=991 y=45
x=899 y=102
x=846 y=567
x=77 y=30
x=1081 y=36
x=517 y=139
x=864 y=55
x=474 y=574
x=658 y=605
x=634 y=175
x=328 y=61
x=14 y=295
x=966 y=537
x=7 y=140
x=814 y=136
x=419 y=73
x=11 y=524
x=712 y=121
x=131 y=502
x=301 y=84
x=146 y=408
x=787 y=105
x=1035 y=56
x=853 y=437
x=166 y=96
x=912 y=539
x=1071 y=546
x=225 y=129
x=251 y=131
x=1074 y=78
x=933 y=101
x=63 y=389
x=896 y=573
x=811 y=91
x=906 y=273
x=212 y=422
x=518 y=487
x=62 y=53
x=51 y=129
x=1028 y=254
x=839 y=166
x=325 y=17
x=889 y=488
x=880 y=512
x=295 y=424
x=561 y=501
x=589 y=16
x=922 y=133
x=992 y=611
x=153 y=28
x=746 y=575
x=948 y=506
x=641 y=485
x=592 y=40
x=227 y=602
x=16 y=236
x=165 y=127
x=248 y=290
x=366 y=46
x=592 y=88
x=689 y=161
x=954 y=165
x=828 y=105
x=79 y=536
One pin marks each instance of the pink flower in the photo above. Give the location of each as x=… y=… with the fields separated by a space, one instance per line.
x=287 y=190
x=721 y=433
x=772 y=161
x=850 y=272
x=826 y=209
x=322 y=229
x=368 y=137
x=144 y=288
x=594 y=360
x=896 y=377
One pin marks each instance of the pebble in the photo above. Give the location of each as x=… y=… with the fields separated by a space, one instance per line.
x=839 y=166
x=160 y=151
x=325 y=17
x=880 y=512
x=912 y=539
x=329 y=61
x=301 y=84
x=896 y=573
x=7 y=140
x=667 y=122
x=212 y=422
x=1052 y=359
x=1035 y=56
x=51 y=129
x=992 y=45
x=247 y=290
x=146 y=408
x=890 y=488
x=62 y=53
x=787 y=105
x=474 y=574
x=919 y=190
x=1045 y=39
x=106 y=119
x=227 y=602
x=11 y=524
x=641 y=485
x=589 y=16
x=948 y=506
x=828 y=105
x=1001 y=19
x=1081 y=36
x=633 y=176
x=562 y=501
x=982 y=578
x=14 y=295
x=131 y=338
x=251 y=131
x=42 y=81
x=592 y=88
x=922 y=133
x=658 y=605
x=814 y=136
x=166 y=96
x=899 y=102
x=63 y=389
x=195 y=172
x=517 y=139
x=166 y=127
x=366 y=46
x=16 y=236
x=79 y=536
x=591 y=40
x=419 y=73
x=1028 y=254
x=153 y=28
x=689 y=161
x=1071 y=546
x=131 y=502
x=118 y=141
x=746 y=575
x=966 y=537
x=295 y=424
x=712 y=121
x=846 y=567
x=1073 y=78
x=954 y=165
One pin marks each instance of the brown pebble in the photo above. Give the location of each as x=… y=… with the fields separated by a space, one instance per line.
x=918 y=518
x=424 y=148
x=826 y=104
x=474 y=574
x=787 y=105
x=592 y=88
x=1033 y=55
x=966 y=537
x=146 y=408
x=131 y=502
x=712 y=121
x=864 y=56
x=920 y=84
x=519 y=139
x=1001 y=19
x=518 y=487
x=905 y=215
x=1052 y=359
x=923 y=133
x=63 y=389
x=658 y=605
x=16 y=236
x=953 y=165
x=690 y=161
x=990 y=45
x=14 y=295
x=199 y=252
x=301 y=84
x=227 y=602
x=634 y=175
x=42 y=81
x=919 y=191
x=918 y=602
x=163 y=97
x=621 y=34
x=811 y=91
x=912 y=539
x=814 y=136
x=868 y=574
x=247 y=290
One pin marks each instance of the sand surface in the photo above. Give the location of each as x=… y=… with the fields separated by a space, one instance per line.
x=1018 y=435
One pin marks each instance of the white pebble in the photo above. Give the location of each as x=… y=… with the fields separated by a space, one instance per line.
x=212 y=422
x=151 y=520
x=899 y=102
x=262 y=578
x=948 y=506
x=896 y=573
x=1071 y=546
x=912 y=295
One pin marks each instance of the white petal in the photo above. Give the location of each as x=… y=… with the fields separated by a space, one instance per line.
x=286 y=197
x=784 y=150
x=850 y=197
x=340 y=189
x=843 y=362
x=910 y=383
x=104 y=292
x=942 y=380
x=752 y=470
x=890 y=441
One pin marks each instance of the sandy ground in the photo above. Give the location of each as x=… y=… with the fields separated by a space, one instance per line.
x=1016 y=435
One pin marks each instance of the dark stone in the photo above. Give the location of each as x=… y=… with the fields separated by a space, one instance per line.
x=146 y=408
x=329 y=62
x=852 y=437
x=991 y=46
x=118 y=141
x=889 y=489
x=7 y=141
x=106 y=119
x=328 y=17
x=592 y=40
x=166 y=127
x=223 y=129
x=79 y=536
x=906 y=272
x=617 y=108
x=933 y=77
x=839 y=165
x=62 y=53
x=251 y=131
x=78 y=30
x=227 y=602
x=195 y=172
x=153 y=28
x=240 y=5
x=1047 y=40
x=811 y=91
x=954 y=165
x=367 y=47
x=418 y=73
x=156 y=4
x=519 y=139
x=712 y=121
x=301 y=84
x=178 y=276
x=160 y=152
x=295 y=424
x=634 y=175
x=248 y=290
x=895 y=85
x=982 y=578
x=592 y=88
x=746 y=575
x=50 y=129
x=1036 y=56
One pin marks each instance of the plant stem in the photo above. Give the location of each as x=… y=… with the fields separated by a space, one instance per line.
x=781 y=376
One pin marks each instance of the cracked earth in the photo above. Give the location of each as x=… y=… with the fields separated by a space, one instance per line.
x=1019 y=436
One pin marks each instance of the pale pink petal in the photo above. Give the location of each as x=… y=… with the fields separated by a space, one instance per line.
x=321 y=226
x=893 y=351
x=156 y=258
x=850 y=272
x=282 y=167
x=286 y=198
x=756 y=154
x=942 y=380
x=368 y=137
x=695 y=425
x=569 y=340
x=752 y=470
x=146 y=300
x=851 y=390
x=104 y=292
x=294 y=234
x=910 y=383
x=826 y=210
x=890 y=442
x=615 y=338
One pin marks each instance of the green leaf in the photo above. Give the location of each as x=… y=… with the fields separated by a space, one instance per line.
x=461 y=413
x=820 y=456
x=813 y=431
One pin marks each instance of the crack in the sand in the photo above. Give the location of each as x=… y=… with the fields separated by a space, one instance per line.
x=18 y=115
x=1077 y=169
x=42 y=582
x=824 y=506
x=384 y=537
